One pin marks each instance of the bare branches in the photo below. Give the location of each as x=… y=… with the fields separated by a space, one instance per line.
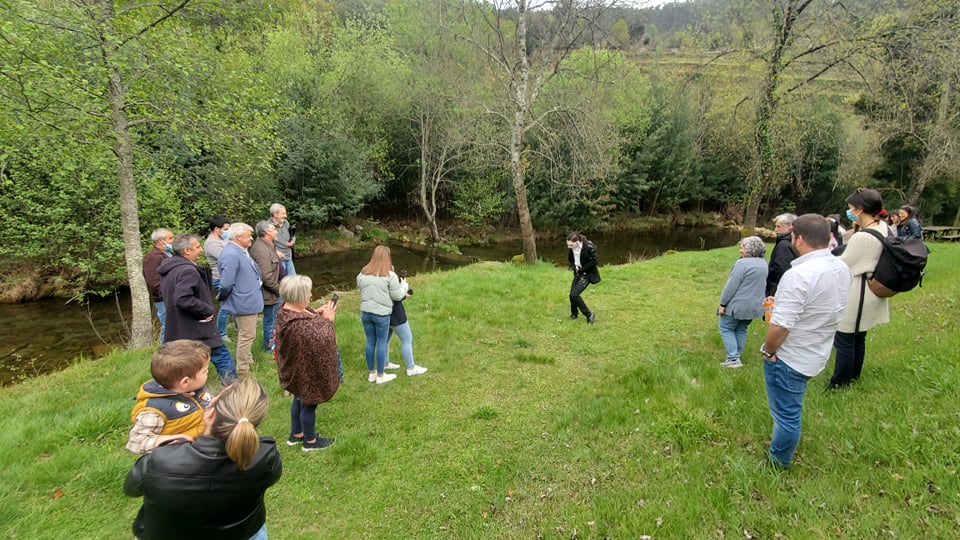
x=167 y=13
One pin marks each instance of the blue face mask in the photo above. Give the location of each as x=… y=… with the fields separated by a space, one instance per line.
x=169 y=247
x=223 y=234
x=850 y=215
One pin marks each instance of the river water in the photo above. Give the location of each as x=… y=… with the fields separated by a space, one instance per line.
x=48 y=335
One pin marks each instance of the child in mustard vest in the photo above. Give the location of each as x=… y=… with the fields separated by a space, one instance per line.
x=170 y=406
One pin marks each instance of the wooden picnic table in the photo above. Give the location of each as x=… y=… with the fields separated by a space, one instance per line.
x=941 y=232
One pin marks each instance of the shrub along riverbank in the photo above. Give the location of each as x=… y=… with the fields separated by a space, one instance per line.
x=529 y=424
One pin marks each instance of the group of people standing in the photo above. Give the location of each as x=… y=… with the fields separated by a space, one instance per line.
x=245 y=273
x=204 y=468
x=820 y=302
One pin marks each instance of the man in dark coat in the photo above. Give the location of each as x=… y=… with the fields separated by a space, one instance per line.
x=190 y=310
x=161 y=251
x=782 y=254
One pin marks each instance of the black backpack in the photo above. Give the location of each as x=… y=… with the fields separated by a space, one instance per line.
x=900 y=267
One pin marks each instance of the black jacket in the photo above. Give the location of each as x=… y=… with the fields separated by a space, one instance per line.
x=187 y=299
x=588 y=261
x=780 y=259
x=196 y=490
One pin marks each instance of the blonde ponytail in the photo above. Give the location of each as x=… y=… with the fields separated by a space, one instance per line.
x=240 y=408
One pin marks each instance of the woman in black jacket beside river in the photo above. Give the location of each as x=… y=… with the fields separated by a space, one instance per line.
x=212 y=488
x=582 y=255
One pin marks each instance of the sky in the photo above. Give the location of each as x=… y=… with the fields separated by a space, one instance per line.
x=649 y=3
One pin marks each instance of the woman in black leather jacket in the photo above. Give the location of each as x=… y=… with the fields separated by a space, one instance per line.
x=212 y=488
x=582 y=255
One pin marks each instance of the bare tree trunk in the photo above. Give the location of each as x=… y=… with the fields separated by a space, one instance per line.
x=141 y=331
x=428 y=204
x=762 y=173
x=935 y=154
x=521 y=111
x=523 y=211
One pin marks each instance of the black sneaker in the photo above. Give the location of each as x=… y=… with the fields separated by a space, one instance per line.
x=319 y=444
x=591 y=317
x=293 y=441
x=573 y=317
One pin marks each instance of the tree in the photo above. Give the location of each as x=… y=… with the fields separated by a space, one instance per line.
x=912 y=101
x=100 y=40
x=523 y=66
x=102 y=76
x=441 y=109
x=796 y=43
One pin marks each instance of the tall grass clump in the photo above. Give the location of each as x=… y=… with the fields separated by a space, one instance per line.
x=532 y=425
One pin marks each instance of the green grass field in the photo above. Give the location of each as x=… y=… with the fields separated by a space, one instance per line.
x=531 y=425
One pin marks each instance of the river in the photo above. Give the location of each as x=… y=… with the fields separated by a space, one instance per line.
x=50 y=334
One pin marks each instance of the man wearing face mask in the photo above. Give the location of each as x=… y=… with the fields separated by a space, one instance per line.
x=212 y=246
x=162 y=248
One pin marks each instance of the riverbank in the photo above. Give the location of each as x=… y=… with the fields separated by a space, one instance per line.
x=22 y=282
x=532 y=425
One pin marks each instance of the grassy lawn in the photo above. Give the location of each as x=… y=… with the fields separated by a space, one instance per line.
x=531 y=425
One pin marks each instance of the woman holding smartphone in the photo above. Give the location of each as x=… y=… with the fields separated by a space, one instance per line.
x=307 y=359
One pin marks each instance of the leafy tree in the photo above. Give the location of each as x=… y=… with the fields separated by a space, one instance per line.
x=797 y=42
x=913 y=102
x=322 y=174
x=522 y=65
x=101 y=76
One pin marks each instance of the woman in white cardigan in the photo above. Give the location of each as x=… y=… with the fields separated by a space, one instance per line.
x=864 y=309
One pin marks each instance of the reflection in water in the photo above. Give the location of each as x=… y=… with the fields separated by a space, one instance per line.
x=49 y=334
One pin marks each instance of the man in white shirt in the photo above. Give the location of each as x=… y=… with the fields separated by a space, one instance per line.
x=811 y=298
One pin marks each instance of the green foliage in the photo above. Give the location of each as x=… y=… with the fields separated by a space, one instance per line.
x=480 y=199
x=374 y=234
x=322 y=175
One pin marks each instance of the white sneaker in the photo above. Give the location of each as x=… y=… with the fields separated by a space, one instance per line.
x=372 y=377
x=391 y=365
x=416 y=370
x=387 y=377
x=732 y=363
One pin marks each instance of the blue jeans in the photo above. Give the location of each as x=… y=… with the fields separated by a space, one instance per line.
x=162 y=317
x=269 y=318
x=222 y=316
x=223 y=361
x=406 y=342
x=733 y=332
x=376 y=328
x=288 y=266
x=785 y=390
x=261 y=534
